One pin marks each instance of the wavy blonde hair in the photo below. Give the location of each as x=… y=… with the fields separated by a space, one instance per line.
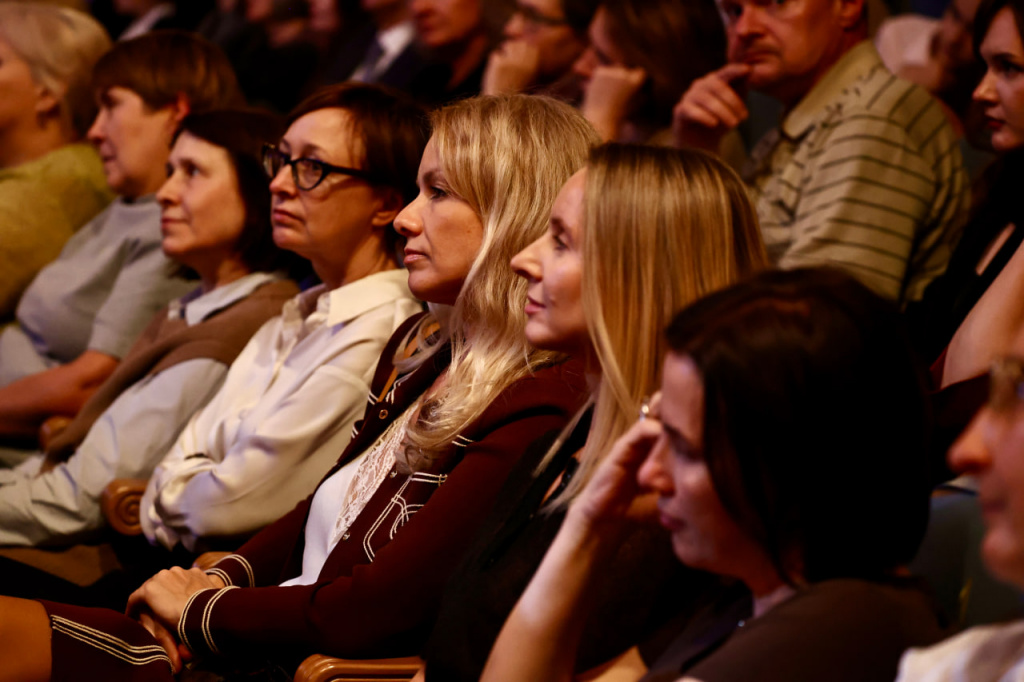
x=661 y=228
x=60 y=46
x=507 y=157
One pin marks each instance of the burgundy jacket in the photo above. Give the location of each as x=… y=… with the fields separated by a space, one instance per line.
x=380 y=589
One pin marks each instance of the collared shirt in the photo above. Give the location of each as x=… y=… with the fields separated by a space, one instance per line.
x=390 y=43
x=285 y=411
x=109 y=281
x=988 y=653
x=865 y=174
x=127 y=440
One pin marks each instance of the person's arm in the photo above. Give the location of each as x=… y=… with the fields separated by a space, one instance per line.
x=126 y=441
x=540 y=637
x=270 y=462
x=511 y=68
x=25 y=404
x=382 y=607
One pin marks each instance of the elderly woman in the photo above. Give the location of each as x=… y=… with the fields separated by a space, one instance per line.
x=457 y=395
x=51 y=182
x=637 y=224
x=763 y=458
x=216 y=226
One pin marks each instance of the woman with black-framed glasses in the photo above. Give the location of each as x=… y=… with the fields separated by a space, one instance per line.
x=289 y=402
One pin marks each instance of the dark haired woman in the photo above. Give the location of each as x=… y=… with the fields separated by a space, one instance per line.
x=216 y=226
x=642 y=57
x=778 y=462
x=969 y=315
x=339 y=176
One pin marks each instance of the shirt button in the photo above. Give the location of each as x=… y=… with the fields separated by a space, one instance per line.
x=383 y=414
x=345 y=536
x=394 y=472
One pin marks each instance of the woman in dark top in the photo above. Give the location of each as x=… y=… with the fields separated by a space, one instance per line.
x=970 y=314
x=776 y=461
x=639 y=233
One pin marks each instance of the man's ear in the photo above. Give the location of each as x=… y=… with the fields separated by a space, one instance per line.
x=852 y=14
x=389 y=206
x=180 y=108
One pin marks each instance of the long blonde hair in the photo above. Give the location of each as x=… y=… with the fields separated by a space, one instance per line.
x=60 y=46
x=507 y=157
x=662 y=227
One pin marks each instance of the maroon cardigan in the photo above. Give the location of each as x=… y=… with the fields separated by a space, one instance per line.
x=380 y=589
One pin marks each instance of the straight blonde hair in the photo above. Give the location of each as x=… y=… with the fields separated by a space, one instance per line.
x=662 y=227
x=507 y=157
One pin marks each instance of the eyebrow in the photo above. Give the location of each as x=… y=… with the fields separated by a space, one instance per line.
x=432 y=177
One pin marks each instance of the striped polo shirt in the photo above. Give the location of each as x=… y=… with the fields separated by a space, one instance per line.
x=864 y=174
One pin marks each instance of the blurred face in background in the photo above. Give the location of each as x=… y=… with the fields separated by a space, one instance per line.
x=542 y=23
x=440 y=23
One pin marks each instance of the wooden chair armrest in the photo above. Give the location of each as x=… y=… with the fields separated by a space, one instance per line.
x=320 y=668
x=51 y=428
x=208 y=560
x=120 y=503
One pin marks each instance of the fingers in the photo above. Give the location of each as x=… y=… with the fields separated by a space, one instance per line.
x=711 y=106
x=511 y=68
x=163 y=637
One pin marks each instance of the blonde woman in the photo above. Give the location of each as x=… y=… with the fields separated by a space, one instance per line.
x=51 y=183
x=363 y=560
x=638 y=234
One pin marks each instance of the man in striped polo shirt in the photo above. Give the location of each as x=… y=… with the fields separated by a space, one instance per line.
x=864 y=172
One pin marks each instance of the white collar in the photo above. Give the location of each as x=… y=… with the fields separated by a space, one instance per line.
x=197 y=306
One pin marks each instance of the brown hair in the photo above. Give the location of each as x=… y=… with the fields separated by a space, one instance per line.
x=674 y=41
x=161 y=65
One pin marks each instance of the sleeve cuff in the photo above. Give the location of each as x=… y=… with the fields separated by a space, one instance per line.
x=194 y=625
x=235 y=570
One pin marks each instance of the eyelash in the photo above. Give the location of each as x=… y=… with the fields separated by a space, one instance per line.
x=560 y=244
x=436 y=192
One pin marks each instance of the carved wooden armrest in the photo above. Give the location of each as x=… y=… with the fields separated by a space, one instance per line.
x=208 y=560
x=120 y=503
x=50 y=428
x=320 y=668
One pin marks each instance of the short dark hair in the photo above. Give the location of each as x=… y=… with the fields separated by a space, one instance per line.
x=394 y=130
x=160 y=65
x=242 y=134
x=393 y=127
x=815 y=420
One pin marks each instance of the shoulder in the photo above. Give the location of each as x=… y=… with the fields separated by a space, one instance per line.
x=823 y=631
x=996 y=646
x=560 y=388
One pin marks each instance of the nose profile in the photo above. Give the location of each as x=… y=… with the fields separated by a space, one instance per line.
x=283 y=182
x=407 y=222
x=526 y=264
x=584 y=66
x=168 y=193
x=985 y=92
x=970 y=453
x=653 y=476
x=95 y=133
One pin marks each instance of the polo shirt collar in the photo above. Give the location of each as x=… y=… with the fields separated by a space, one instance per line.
x=857 y=63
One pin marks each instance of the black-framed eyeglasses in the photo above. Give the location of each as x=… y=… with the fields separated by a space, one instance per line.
x=1006 y=384
x=531 y=16
x=307 y=173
